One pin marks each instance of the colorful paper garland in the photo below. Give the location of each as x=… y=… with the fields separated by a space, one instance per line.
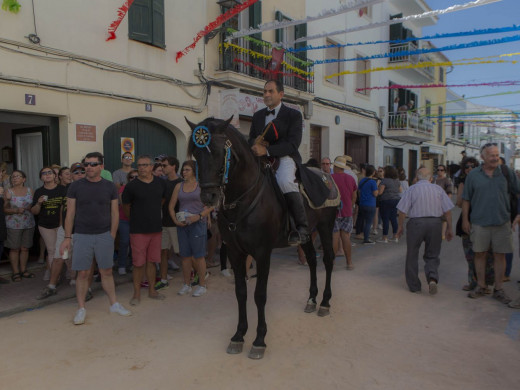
x=400 y=86
x=11 y=6
x=213 y=25
x=121 y=13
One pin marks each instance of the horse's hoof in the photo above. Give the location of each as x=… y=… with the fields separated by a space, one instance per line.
x=256 y=353
x=324 y=311
x=235 y=347
x=310 y=308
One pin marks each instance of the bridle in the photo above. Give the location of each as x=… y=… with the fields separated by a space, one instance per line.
x=229 y=153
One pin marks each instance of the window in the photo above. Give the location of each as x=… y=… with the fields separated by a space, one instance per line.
x=453 y=127
x=362 y=79
x=335 y=53
x=146 y=22
x=441 y=75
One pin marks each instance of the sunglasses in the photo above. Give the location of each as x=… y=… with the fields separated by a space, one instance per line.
x=469 y=166
x=79 y=172
x=440 y=169
x=16 y=177
x=143 y=165
x=127 y=157
x=47 y=172
x=133 y=177
x=92 y=164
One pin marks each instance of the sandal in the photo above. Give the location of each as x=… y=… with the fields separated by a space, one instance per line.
x=17 y=277
x=26 y=274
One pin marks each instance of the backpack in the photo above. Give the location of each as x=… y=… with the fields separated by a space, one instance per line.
x=513 y=199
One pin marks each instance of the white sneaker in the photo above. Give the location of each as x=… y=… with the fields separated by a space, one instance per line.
x=79 y=318
x=383 y=241
x=173 y=265
x=184 y=290
x=119 y=309
x=73 y=282
x=226 y=273
x=47 y=275
x=199 y=291
x=121 y=271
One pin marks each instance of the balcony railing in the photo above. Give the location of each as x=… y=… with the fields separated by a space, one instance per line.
x=410 y=125
x=412 y=59
x=252 y=56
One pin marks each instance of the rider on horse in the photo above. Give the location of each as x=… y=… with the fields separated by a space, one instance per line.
x=276 y=131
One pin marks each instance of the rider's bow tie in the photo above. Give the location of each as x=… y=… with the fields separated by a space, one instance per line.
x=270 y=112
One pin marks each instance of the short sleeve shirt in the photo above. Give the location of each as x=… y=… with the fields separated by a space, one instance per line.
x=366 y=189
x=119 y=177
x=391 y=191
x=346 y=185
x=49 y=216
x=145 y=200
x=93 y=205
x=167 y=220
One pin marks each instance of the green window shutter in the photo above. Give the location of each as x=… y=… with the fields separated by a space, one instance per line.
x=300 y=31
x=140 y=21
x=255 y=17
x=158 y=23
x=279 y=31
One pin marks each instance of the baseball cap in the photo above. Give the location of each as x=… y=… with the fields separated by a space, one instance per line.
x=76 y=166
x=160 y=157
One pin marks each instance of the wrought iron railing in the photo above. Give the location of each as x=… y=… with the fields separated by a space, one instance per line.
x=252 y=57
x=411 y=58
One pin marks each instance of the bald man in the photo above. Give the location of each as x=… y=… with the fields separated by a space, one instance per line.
x=424 y=204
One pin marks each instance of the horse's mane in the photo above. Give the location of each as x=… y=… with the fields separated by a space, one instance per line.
x=215 y=127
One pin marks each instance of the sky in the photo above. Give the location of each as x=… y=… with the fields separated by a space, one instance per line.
x=504 y=13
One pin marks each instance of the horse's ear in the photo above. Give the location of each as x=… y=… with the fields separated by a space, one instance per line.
x=225 y=125
x=192 y=125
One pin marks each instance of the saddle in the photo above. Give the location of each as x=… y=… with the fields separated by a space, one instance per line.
x=316 y=186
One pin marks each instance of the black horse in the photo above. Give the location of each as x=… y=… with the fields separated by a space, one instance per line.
x=252 y=219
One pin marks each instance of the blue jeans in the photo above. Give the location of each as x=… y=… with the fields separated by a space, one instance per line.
x=366 y=213
x=509 y=264
x=388 y=212
x=124 y=244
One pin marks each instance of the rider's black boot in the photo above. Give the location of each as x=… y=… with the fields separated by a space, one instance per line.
x=297 y=211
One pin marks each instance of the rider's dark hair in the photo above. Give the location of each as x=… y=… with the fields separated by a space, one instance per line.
x=278 y=83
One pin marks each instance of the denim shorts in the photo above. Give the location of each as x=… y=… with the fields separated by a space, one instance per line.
x=193 y=239
x=86 y=246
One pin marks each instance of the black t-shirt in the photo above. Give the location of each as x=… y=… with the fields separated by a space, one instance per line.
x=49 y=216
x=145 y=204
x=167 y=220
x=93 y=205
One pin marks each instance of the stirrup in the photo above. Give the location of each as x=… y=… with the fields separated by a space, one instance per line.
x=295 y=238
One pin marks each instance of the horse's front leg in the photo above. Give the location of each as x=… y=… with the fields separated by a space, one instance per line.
x=310 y=255
x=263 y=262
x=238 y=263
x=325 y=229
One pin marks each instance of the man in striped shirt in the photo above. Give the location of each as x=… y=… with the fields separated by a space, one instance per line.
x=424 y=203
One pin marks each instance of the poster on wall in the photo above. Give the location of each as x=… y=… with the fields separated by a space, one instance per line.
x=128 y=145
x=229 y=106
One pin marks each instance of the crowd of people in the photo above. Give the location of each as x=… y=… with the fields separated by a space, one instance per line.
x=373 y=199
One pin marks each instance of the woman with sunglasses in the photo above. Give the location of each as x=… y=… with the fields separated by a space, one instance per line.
x=192 y=228
x=46 y=205
x=467 y=165
x=124 y=229
x=20 y=225
x=76 y=172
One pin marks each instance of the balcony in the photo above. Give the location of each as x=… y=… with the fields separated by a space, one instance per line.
x=250 y=57
x=414 y=59
x=410 y=127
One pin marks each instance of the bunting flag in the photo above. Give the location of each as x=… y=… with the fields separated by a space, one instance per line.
x=466 y=98
x=425 y=64
x=11 y=6
x=213 y=25
x=265 y=71
x=400 y=86
x=352 y=6
x=121 y=13
x=405 y=53
x=413 y=39
x=266 y=57
x=453 y=8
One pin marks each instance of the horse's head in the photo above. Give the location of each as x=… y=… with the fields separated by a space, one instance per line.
x=211 y=147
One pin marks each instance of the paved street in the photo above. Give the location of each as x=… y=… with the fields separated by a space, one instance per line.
x=378 y=336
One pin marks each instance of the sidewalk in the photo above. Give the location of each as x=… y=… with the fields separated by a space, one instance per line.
x=17 y=297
